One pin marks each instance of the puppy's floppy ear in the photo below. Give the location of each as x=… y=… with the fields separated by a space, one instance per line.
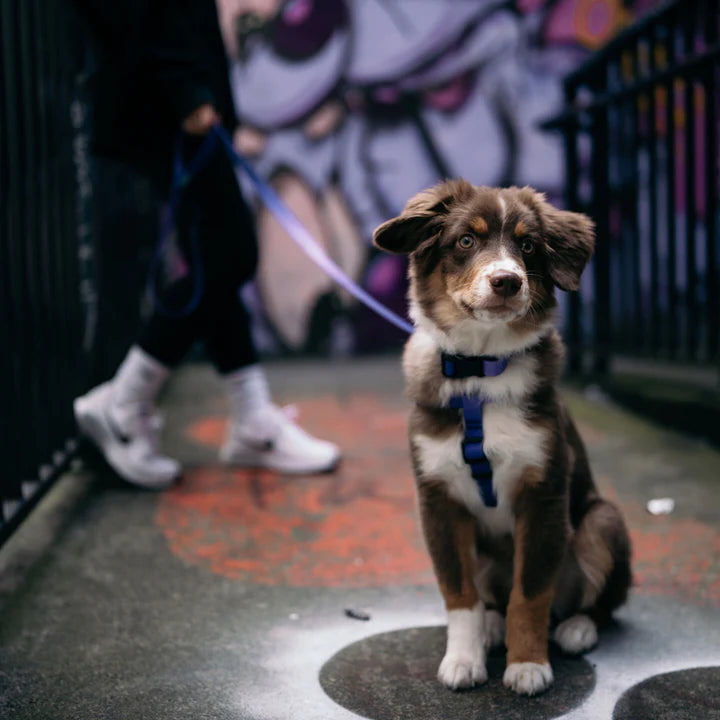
x=421 y=218
x=569 y=243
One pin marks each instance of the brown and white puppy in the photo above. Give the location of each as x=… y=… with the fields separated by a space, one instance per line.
x=483 y=266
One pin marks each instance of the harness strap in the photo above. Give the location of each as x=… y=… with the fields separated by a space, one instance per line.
x=473 y=452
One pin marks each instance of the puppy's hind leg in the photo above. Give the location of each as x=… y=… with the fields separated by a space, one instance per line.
x=576 y=635
x=595 y=579
x=494 y=629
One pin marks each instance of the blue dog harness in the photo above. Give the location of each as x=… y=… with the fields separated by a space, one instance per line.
x=457 y=367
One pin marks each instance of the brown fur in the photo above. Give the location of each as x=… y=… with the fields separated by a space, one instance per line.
x=451 y=543
x=527 y=627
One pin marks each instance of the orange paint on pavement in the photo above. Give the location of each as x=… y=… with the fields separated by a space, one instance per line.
x=677 y=557
x=355 y=528
x=358 y=527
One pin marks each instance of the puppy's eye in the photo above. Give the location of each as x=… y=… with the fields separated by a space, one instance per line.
x=527 y=247
x=466 y=242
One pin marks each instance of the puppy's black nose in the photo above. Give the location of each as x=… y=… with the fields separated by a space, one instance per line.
x=506 y=284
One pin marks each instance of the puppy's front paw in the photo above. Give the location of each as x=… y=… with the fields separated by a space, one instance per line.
x=528 y=678
x=576 y=634
x=462 y=671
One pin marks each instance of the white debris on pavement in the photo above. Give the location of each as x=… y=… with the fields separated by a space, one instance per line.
x=661 y=506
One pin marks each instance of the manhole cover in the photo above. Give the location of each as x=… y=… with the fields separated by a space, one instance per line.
x=682 y=695
x=392 y=676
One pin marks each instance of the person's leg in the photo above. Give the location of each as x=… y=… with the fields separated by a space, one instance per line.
x=259 y=433
x=119 y=415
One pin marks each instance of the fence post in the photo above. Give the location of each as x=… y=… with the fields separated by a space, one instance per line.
x=570 y=131
x=601 y=215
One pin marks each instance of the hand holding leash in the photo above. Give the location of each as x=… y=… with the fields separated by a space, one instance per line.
x=201 y=120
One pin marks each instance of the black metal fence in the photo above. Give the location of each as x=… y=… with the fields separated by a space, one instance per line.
x=44 y=186
x=75 y=238
x=641 y=143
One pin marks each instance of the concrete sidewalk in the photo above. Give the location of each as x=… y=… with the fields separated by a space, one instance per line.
x=225 y=597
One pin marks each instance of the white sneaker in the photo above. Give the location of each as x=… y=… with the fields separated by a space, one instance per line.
x=129 y=444
x=275 y=442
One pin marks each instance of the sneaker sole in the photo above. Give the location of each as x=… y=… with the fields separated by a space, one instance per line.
x=254 y=461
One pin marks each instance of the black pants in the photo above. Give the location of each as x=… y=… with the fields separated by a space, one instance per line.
x=214 y=216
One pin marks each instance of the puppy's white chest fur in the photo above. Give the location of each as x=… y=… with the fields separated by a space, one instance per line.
x=511 y=442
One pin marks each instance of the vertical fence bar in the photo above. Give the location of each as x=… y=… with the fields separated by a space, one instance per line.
x=13 y=230
x=670 y=193
x=600 y=198
x=653 y=244
x=623 y=207
x=690 y=149
x=37 y=443
x=614 y=140
x=74 y=74
x=631 y=196
x=61 y=56
x=570 y=138
x=712 y=201
x=49 y=299
x=9 y=430
x=52 y=296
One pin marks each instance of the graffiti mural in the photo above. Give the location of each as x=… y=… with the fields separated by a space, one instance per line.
x=351 y=106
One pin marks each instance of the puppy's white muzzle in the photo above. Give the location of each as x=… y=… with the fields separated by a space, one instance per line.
x=501 y=292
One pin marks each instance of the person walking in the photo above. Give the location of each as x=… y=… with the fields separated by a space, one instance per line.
x=162 y=71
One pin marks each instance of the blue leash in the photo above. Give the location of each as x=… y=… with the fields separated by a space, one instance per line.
x=453 y=366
